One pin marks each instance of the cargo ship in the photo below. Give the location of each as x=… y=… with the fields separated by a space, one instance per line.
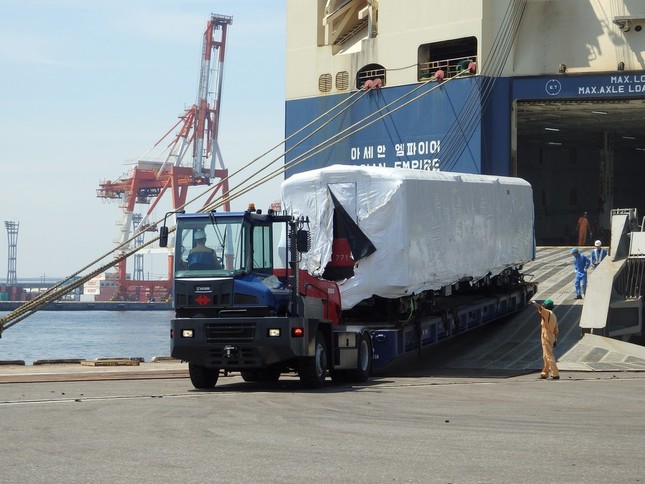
x=549 y=91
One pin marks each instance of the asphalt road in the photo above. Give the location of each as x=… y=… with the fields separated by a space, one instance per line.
x=587 y=427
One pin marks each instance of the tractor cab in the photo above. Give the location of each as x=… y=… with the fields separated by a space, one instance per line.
x=229 y=261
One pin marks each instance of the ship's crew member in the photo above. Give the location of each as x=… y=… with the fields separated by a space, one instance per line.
x=598 y=254
x=580 y=266
x=584 y=229
x=548 y=337
x=201 y=256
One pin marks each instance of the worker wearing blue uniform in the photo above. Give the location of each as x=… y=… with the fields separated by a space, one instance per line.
x=598 y=254
x=580 y=266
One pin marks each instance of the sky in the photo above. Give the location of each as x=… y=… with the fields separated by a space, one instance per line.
x=87 y=87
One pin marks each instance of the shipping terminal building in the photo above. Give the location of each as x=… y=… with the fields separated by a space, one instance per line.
x=552 y=91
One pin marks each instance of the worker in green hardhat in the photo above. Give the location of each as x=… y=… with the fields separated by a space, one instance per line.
x=548 y=337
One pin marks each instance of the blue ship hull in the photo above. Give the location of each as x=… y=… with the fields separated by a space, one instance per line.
x=444 y=128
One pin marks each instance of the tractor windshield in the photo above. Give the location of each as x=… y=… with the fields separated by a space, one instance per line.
x=212 y=246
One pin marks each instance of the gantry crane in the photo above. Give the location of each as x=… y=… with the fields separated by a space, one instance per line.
x=150 y=179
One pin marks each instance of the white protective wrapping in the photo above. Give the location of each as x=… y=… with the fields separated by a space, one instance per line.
x=430 y=229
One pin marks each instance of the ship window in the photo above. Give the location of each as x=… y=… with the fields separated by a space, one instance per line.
x=451 y=56
x=369 y=73
x=342 y=80
x=324 y=83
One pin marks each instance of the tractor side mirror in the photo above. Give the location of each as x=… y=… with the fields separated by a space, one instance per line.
x=163 y=236
x=303 y=240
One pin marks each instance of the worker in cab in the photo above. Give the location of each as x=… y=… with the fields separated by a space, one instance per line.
x=548 y=337
x=202 y=256
x=597 y=254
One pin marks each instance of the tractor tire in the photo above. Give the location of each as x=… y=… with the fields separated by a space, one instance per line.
x=363 y=368
x=313 y=370
x=201 y=377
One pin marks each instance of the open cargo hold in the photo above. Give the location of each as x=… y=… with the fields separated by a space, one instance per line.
x=430 y=229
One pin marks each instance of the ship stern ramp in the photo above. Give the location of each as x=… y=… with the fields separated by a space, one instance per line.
x=599 y=353
x=511 y=346
x=613 y=304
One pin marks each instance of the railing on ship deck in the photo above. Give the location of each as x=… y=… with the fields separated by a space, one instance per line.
x=426 y=70
x=450 y=67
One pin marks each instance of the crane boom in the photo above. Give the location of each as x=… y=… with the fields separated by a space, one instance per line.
x=209 y=93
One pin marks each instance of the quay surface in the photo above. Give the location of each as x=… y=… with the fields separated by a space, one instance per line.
x=426 y=426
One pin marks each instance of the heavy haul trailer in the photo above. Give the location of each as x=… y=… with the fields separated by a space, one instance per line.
x=381 y=262
x=456 y=315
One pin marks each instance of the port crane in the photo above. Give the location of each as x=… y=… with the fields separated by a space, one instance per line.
x=173 y=171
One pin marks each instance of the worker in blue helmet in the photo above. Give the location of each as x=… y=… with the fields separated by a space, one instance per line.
x=580 y=266
x=548 y=338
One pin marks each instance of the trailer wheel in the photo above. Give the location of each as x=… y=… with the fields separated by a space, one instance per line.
x=249 y=375
x=338 y=376
x=265 y=375
x=363 y=362
x=313 y=370
x=203 y=378
x=269 y=375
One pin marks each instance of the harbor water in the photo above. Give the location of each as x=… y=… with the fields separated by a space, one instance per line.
x=88 y=335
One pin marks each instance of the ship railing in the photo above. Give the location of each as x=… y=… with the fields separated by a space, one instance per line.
x=450 y=67
x=371 y=74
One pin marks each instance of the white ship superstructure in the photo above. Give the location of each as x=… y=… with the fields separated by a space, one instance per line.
x=551 y=91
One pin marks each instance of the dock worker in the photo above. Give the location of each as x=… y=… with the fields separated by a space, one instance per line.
x=580 y=266
x=548 y=337
x=583 y=228
x=597 y=254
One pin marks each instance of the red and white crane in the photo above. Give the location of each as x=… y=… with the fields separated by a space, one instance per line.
x=170 y=171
